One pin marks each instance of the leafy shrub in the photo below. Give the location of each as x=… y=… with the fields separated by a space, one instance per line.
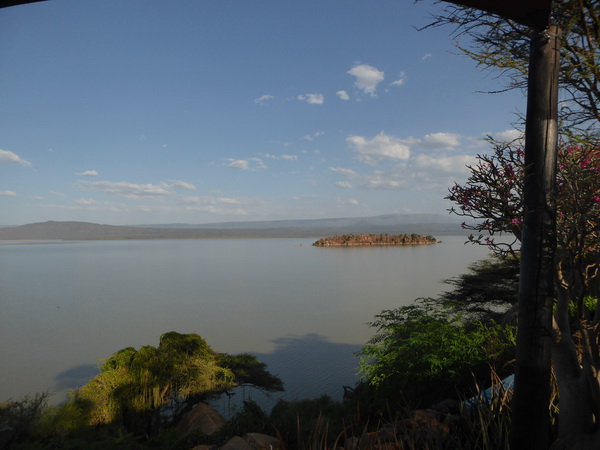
x=18 y=418
x=424 y=352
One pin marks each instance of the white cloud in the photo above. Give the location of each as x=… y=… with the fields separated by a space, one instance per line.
x=195 y=200
x=87 y=173
x=228 y=201
x=8 y=193
x=7 y=157
x=441 y=140
x=282 y=157
x=343 y=95
x=217 y=205
x=85 y=202
x=425 y=168
x=353 y=202
x=400 y=81
x=508 y=135
x=239 y=164
x=443 y=164
x=182 y=185
x=308 y=137
x=263 y=99
x=313 y=99
x=381 y=147
x=246 y=164
x=345 y=172
x=128 y=190
x=367 y=78
x=344 y=184
x=426 y=56
x=383 y=180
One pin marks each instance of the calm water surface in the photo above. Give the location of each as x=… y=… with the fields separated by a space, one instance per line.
x=301 y=309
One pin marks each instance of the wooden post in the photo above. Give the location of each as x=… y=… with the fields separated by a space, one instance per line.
x=530 y=427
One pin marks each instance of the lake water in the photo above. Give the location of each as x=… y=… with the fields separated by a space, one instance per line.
x=300 y=309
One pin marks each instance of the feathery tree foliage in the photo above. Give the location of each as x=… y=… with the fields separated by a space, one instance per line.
x=147 y=390
x=424 y=352
x=501 y=44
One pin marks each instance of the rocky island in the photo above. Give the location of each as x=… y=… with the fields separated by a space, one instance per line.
x=353 y=240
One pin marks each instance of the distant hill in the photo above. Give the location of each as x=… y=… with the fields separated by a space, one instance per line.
x=383 y=220
x=430 y=224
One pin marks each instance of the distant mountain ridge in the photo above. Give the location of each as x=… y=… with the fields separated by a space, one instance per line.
x=382 y=220
x=431 y=224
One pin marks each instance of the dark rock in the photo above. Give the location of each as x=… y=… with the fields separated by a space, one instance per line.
x=202 y=418
x=263 y=441
x=236 y=443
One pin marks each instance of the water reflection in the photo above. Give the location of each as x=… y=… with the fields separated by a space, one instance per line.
x=309 y=365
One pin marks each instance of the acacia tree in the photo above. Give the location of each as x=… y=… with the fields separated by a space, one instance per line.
x=151 y=388
x=498 y=43
x=492 y=196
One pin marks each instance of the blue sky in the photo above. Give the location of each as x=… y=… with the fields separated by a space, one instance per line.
x=200 y=111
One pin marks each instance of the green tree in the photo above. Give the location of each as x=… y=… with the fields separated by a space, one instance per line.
x=426 y=352
x=487 y=291
x=148 y=389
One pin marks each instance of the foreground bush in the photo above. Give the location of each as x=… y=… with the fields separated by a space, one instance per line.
x=425 y=352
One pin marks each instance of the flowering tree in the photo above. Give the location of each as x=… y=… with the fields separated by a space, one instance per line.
x=493 y=195
x=493 y=198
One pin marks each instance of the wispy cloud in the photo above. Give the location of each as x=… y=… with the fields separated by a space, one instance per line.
x=263 y=99
x=344 y=184
x=313 y=99
x=343 y=171
x=86 y=202
x=309 y=137
x=87 y=173
x=440 y=165
x=125 y=189
x=246 y=164
x=381 y=147
x=8 y=193
x=343 y=95
x=218 y=205
x=441 y=140
x=367 y=78
x=281 y=157
x=426 y=56
x=135 y=190
x=508 y=135
x=178 y=184
x=7 y=157
x=418 y=164
x=400 y=81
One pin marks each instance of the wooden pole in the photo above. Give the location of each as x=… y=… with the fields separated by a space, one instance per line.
x=530 y=427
